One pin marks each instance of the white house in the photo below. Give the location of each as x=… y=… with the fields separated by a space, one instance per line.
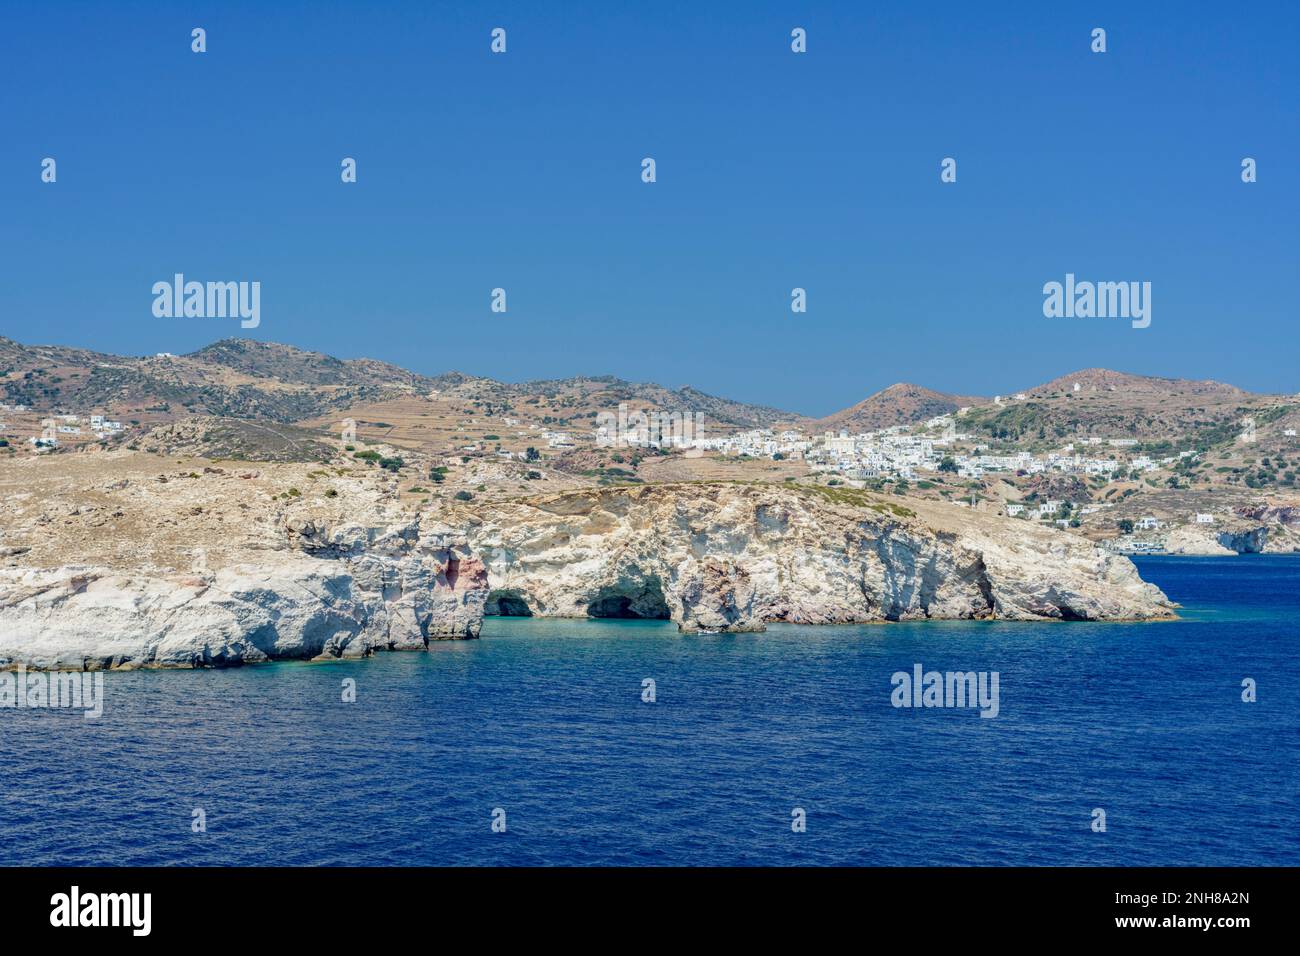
x=1148 y=523
x=1204 y=519
x=1015 y=509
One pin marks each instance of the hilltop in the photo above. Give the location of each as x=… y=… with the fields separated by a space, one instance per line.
x=285 y=363
x=1091 y=380
x=1101 y=403
x=244 y=378
x=230 y=378
x=899 y=404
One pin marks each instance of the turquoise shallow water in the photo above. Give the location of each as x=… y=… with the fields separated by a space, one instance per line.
x=544 y=719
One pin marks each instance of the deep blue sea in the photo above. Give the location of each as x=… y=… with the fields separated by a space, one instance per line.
x=544 y=720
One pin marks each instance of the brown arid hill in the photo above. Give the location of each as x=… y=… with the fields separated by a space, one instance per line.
x=1167 y=415
x=900 y=404
x=267 y=381
x=275 y=383
x=1093 y=380
x=575 y=402
x=291 y=365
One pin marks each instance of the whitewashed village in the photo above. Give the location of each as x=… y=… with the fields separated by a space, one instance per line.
x=923 y=454
x=1137 y=464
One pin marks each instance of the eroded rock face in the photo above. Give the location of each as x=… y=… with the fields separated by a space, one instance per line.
x=348 y=574
x=1251 y=530
x=345 y=593
x=718 y=595
x=734 y=557
x=1276 y=531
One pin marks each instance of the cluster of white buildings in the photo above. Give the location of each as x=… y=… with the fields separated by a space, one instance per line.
x=892 y=452
x=101 y=426
x=1041 y=509
x=756 y=443
x=52 y=428
x=898 y=452
x=976 y=466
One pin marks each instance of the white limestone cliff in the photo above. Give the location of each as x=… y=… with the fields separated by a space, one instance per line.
x=735 y=557
x=396 y=592
x=348 y=574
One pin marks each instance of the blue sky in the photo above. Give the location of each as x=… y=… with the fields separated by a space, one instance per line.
x=775 y=170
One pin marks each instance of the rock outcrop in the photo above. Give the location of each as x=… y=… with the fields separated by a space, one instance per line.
x=1196 y=540
x=342 y=594
x=89 y=576
x=1249 y=530
x=1276 y=528
x=735 y=557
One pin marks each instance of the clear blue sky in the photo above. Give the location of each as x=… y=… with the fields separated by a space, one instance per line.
x=775 y=170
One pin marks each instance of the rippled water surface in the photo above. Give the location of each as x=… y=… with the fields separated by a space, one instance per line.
x=544 y=719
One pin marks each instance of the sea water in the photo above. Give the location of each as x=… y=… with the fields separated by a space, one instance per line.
x=544 y=728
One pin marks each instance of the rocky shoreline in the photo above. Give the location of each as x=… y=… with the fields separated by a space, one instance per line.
x=1247 y=530
x=347 y=570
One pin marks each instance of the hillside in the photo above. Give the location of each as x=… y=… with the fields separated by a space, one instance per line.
x=270 y=382
x=162 y=388
x=285 y=363
x=235 y=439
x=1091 y=380
x=900 y=404
x=606 y=392
x=1105 y=404
x=455 y=414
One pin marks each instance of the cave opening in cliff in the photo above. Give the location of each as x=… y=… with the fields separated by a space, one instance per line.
x=507 y=602
x=639 y=599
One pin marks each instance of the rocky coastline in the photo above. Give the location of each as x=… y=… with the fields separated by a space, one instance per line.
x=348 y=569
